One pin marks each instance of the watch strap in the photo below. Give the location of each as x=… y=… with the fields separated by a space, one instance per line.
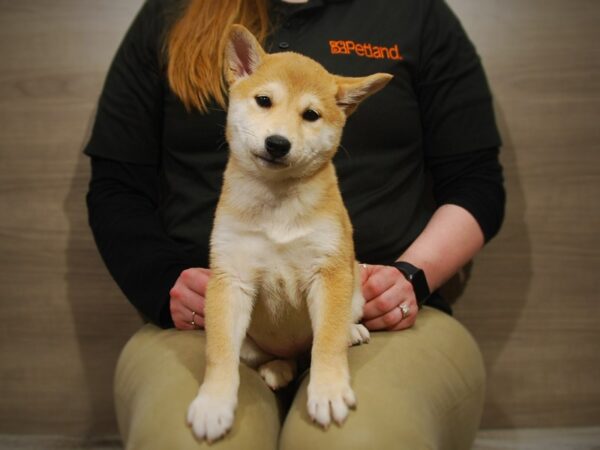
x=416 y=277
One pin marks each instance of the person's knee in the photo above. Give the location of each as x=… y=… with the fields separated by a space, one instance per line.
x=158 y=375
x=416 y=389
x=359 y=435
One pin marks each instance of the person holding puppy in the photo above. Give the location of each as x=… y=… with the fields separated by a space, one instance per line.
x=158 y=155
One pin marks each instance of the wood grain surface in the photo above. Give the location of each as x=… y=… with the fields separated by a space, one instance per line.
x=532 y=297
x=63 y=320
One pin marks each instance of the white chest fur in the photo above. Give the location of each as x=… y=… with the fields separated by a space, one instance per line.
x=272 y=247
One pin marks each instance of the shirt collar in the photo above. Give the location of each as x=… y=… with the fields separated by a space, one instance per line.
x=294 y=8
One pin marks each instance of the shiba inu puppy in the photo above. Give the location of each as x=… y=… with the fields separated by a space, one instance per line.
x=284 y=275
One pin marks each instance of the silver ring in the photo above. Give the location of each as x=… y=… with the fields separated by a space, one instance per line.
x=405 y=310
x=193 y=318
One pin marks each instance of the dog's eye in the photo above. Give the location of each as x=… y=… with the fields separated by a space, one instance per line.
x=263 y=101
x=310 y=115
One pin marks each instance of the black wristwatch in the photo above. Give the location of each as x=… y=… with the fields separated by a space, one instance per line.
x=416 y=277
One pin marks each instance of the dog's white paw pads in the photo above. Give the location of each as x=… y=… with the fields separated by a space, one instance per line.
x=210 y=416
x=359 y=334
x=332 y=402
x=278 y=373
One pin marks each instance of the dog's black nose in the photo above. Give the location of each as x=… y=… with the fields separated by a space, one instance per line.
x=277 y=146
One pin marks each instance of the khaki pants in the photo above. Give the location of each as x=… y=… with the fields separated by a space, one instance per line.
x=421 y=388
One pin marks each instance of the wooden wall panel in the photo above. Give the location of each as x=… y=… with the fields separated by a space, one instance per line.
x=532 y=296
x=63 y=321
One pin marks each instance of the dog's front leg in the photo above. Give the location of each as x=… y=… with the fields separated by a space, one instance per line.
x=227 y=311
x=329 y=391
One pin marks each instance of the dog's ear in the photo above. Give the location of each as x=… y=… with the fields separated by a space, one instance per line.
x=243 y=54
x=352 y=91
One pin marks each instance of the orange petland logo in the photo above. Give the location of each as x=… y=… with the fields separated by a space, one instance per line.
x=365 y=50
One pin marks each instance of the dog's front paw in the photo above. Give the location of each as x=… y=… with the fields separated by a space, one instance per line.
x=330 y=401
x=211 y=416
x=359 y=334
x=278 y=373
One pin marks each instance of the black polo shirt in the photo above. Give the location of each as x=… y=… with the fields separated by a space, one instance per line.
x=435 y=113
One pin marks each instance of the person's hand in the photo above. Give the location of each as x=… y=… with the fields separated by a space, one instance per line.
x=386 y=293
x=187 y=299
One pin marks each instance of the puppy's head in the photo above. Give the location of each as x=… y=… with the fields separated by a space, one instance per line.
x=286 y=112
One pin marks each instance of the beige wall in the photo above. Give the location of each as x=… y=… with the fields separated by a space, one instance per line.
x=532 y=298
x=63 y=320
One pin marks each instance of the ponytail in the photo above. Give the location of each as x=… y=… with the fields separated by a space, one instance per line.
x=195 y=45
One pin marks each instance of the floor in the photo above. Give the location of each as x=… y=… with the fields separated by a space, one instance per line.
x=522 y=439
x=539 y=439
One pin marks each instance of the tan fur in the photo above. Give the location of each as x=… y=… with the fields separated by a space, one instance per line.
x=282 y=254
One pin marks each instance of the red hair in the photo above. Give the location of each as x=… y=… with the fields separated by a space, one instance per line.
x=195 y=45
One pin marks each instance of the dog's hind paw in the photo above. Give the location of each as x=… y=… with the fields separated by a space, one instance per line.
x=359 y=334
x=210 y=416
x=278 y=373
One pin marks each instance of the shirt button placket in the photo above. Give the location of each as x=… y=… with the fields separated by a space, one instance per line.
x=283 y=39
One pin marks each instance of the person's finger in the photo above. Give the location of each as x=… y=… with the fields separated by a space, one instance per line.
x=385 y=321
x=182 y=302
x=195 y=303
x=183 y=316
x=196 y=320
x=180 y=320
x=383 y=303
x=409 y=319
x=394 y=319
x=195 y=279
x=380 y=279
x=364 y=273
x=189 y=298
